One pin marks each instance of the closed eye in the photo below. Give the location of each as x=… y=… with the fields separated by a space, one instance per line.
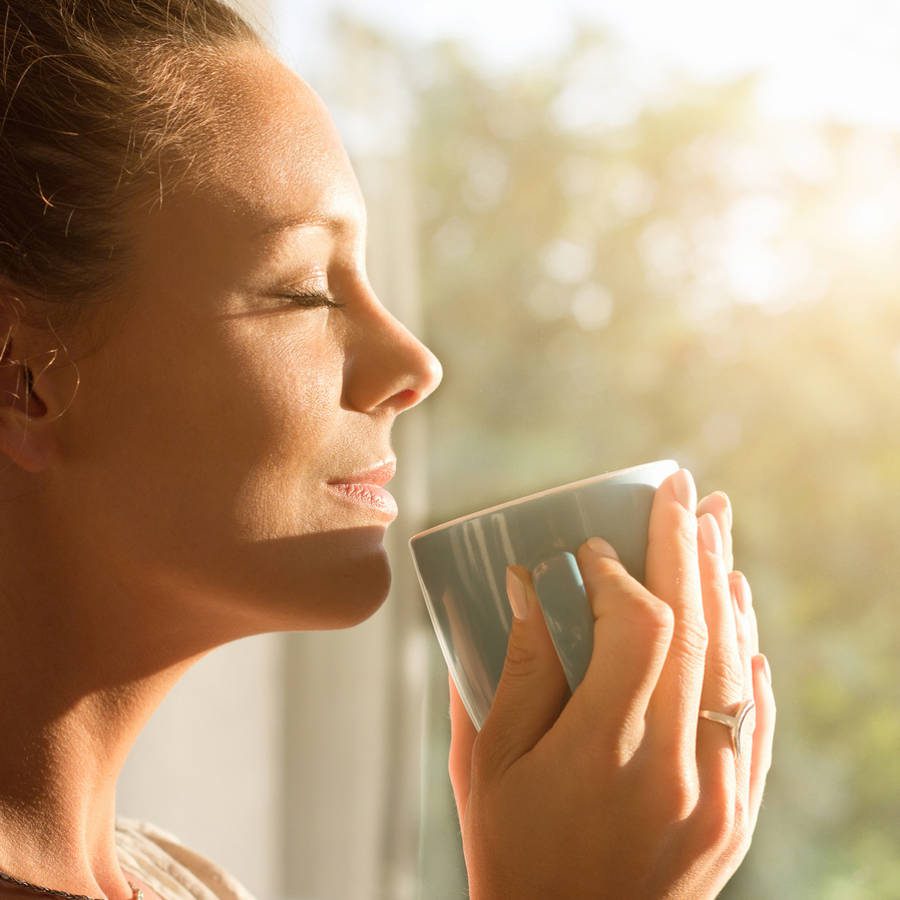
x=312 y=299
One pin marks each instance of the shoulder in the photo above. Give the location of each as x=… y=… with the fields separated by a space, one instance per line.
x=170 y=867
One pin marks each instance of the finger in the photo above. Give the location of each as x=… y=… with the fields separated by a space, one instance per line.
x=763 y=736
x=462 y=740
x=719 y=504
x=723 y=683
x=632 y=631
x=673 y=575
x=533 y=688
x=745 y=603
x=742 y=625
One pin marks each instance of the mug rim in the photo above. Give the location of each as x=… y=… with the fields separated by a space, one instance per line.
x=552 y=490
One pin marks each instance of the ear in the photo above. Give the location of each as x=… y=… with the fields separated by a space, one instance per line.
x=27 y=435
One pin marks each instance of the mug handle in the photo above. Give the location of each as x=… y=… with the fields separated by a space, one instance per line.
x=567 y=613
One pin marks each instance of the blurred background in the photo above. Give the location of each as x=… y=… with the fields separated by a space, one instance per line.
x=630 y=231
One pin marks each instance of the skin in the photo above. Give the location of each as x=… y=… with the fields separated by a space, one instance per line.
x=180 y=502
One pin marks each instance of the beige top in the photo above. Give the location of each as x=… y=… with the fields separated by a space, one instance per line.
x=171 y=869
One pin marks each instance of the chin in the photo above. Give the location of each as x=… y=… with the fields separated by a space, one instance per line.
x=318 y=585
x=313 y=582
x=358 y=594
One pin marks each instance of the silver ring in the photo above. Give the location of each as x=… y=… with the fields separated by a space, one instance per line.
x=735 y=723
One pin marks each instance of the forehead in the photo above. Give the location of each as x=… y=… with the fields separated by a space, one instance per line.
x=277 y=155
x=273 y=158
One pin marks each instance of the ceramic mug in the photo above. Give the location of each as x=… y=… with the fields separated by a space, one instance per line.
x=461 y=566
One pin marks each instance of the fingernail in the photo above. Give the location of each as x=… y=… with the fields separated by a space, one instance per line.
x=685 y=489
x=743 y=593
x=515 y=591
x=709 y=533
x=768 y=670
x=729 y=510
x=601 y=548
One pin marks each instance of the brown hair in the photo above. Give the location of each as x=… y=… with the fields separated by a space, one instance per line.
x=102 y=101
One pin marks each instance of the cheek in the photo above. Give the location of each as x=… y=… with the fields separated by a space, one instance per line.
x=198 y=449
x=264 y=415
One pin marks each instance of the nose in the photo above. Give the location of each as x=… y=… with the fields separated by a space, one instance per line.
x=386 y=364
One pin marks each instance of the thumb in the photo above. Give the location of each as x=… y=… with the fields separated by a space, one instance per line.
x=532 y=690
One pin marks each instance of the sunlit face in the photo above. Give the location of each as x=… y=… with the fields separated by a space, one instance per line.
x=196 y=456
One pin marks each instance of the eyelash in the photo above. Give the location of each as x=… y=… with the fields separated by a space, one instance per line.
x=320 y=298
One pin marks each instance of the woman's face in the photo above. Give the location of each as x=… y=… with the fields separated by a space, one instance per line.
x=194 y=461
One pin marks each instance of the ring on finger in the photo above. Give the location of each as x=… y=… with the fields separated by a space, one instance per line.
x=736 y=724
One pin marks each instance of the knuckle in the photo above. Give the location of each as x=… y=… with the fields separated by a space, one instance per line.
x=713 y=827
x=603 y=568
x=607 y=582
x=650 y=618
x=714 y=820
x=678 y=800
x=653 y=615
x=593 y=760
x=522 y=657
x=678 y=536
x=691 y=636
x=686 y=536
x=726 y=673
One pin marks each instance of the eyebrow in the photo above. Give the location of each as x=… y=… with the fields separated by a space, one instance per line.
x=337 y=225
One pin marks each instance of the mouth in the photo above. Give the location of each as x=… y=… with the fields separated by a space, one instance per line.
x=381 y=473
x=367 y=488
x=372 y=496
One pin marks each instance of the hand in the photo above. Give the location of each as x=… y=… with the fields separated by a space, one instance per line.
x=619 y=790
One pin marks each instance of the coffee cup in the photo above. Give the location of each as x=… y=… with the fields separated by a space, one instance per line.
x=461 y=567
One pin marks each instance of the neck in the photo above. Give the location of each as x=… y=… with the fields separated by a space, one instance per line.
x=84 y=664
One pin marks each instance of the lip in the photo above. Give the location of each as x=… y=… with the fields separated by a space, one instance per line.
x=367 y=488
x=370 y=495
x=380 y=474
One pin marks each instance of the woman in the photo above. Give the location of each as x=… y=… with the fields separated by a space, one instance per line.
x=192 y=358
